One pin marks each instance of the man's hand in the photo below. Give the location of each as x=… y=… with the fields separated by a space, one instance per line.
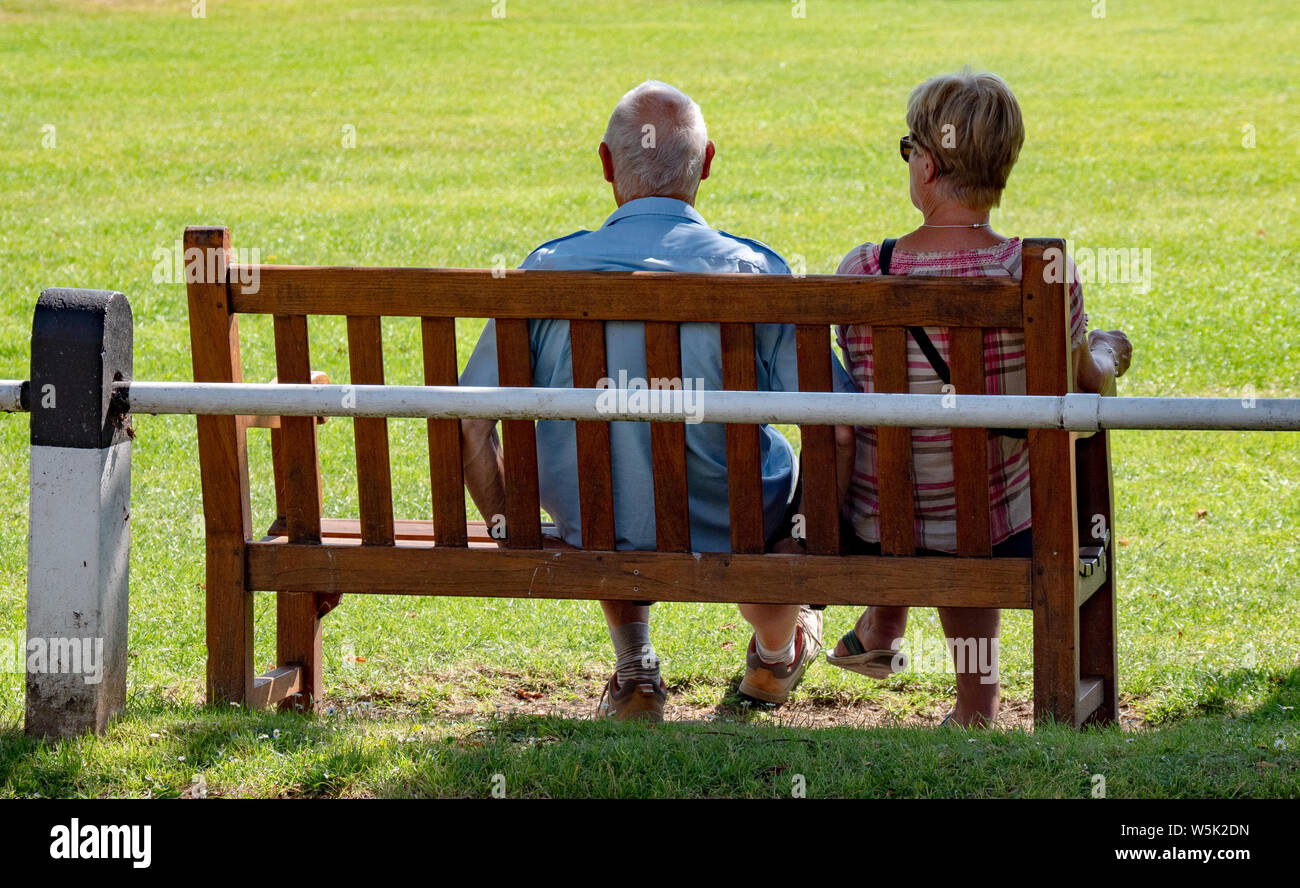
x=788 y=546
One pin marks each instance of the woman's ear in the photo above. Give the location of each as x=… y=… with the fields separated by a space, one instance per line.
x=929 y=169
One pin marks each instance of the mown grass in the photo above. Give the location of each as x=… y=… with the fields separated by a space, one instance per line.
x=170 y=751
x=475 y=141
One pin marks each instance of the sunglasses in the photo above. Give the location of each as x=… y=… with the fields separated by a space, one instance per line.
x=905 y=148
x=907 y=145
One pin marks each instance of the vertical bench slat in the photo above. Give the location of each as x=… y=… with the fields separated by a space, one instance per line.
x=744 y=466
x=446 y=473
x=223 y=465
x=595 y=475
x=374 y=472
x=519 y=440
x=970 y=462
x=1051 y=479
x=297 y=622
x=668 y=445
x=893 y=446
x=817 y=462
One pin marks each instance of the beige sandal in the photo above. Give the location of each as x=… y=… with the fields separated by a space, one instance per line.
x=873 y=664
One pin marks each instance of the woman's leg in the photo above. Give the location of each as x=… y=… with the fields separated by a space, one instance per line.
x=879 y=628
x=972 y=632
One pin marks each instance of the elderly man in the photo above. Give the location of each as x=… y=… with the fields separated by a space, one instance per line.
x=655 y=152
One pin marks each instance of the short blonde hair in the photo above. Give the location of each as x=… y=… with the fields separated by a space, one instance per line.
x=970 y=123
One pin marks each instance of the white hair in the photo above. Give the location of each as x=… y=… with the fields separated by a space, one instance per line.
x=657 y=138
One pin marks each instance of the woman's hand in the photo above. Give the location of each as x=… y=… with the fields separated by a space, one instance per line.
x=1118 y=342
x=1099 y=360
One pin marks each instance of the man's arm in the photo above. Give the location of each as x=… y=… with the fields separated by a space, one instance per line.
x=484 y=467
x=480 y=448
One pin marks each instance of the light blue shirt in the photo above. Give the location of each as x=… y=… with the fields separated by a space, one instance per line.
x=655 y=234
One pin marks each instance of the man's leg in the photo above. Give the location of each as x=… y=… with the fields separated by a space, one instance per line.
x=635 y=691
x=629 y=629
x=774 y=626
x=787 y=637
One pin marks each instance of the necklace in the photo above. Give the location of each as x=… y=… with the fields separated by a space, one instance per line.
x=975 y=225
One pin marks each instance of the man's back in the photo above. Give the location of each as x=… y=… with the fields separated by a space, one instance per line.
x=654 y=234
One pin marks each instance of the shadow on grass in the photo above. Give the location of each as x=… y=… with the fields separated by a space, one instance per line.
x=164 y=750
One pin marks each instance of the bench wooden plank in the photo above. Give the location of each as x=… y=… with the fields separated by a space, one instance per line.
x=595 y=474
x=894 y=470
x=223 y=463
x=446 y=471
x=744 y=462
x=297 y=620
x=1098 y=630
x=348 y=567
x=1089 y=698
x=970 y=447
x=518 y=439
x=1052 y=474
x=668 y=445
x=633 y=296
x=817 y=453
x=406 y=530
x=274 y=686
x=374 y=472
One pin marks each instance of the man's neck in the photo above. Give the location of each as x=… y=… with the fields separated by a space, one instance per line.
x=686 y=199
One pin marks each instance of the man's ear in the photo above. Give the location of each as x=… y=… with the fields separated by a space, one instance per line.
x=708 y=160
x=607 y=162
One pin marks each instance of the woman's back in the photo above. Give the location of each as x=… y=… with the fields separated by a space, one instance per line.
x=1004 y=373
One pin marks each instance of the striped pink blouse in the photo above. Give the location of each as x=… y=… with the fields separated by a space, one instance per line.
x=1004 y=366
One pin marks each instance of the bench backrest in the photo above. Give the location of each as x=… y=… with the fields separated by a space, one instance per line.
x=1037 y=304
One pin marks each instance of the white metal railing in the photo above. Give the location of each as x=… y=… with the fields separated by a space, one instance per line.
x=1076 y=412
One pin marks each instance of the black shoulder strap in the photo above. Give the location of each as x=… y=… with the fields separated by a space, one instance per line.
x=886 y=250
x=931 y=353
x=922 y=339
x=927 y=347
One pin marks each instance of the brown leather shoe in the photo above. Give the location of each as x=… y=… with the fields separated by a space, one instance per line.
x=636 y=701
x=773 y=683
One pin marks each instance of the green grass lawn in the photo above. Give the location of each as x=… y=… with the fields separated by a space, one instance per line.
x=475 y=140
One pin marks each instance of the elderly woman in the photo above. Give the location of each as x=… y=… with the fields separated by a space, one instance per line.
x=965 y=133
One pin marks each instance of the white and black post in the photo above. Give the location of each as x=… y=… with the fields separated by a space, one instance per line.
x=79 y=545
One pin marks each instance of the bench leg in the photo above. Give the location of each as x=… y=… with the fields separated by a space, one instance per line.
x=298 y=643
x=1097 y=654
x=1055 y=577
x=229 y=623
x=1056 y=649
x=1097 y=616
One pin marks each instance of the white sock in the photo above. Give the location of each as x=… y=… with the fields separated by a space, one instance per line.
x=780 y=656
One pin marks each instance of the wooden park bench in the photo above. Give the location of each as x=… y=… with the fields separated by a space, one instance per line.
x=310 y=560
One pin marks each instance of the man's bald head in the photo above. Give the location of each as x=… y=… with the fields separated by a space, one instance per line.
x=658 y=145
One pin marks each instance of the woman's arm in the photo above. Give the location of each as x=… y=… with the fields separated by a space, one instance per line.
x=1099 y=359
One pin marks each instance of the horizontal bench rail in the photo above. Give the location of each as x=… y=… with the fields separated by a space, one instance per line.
x=350 y=568
x=626 y=296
